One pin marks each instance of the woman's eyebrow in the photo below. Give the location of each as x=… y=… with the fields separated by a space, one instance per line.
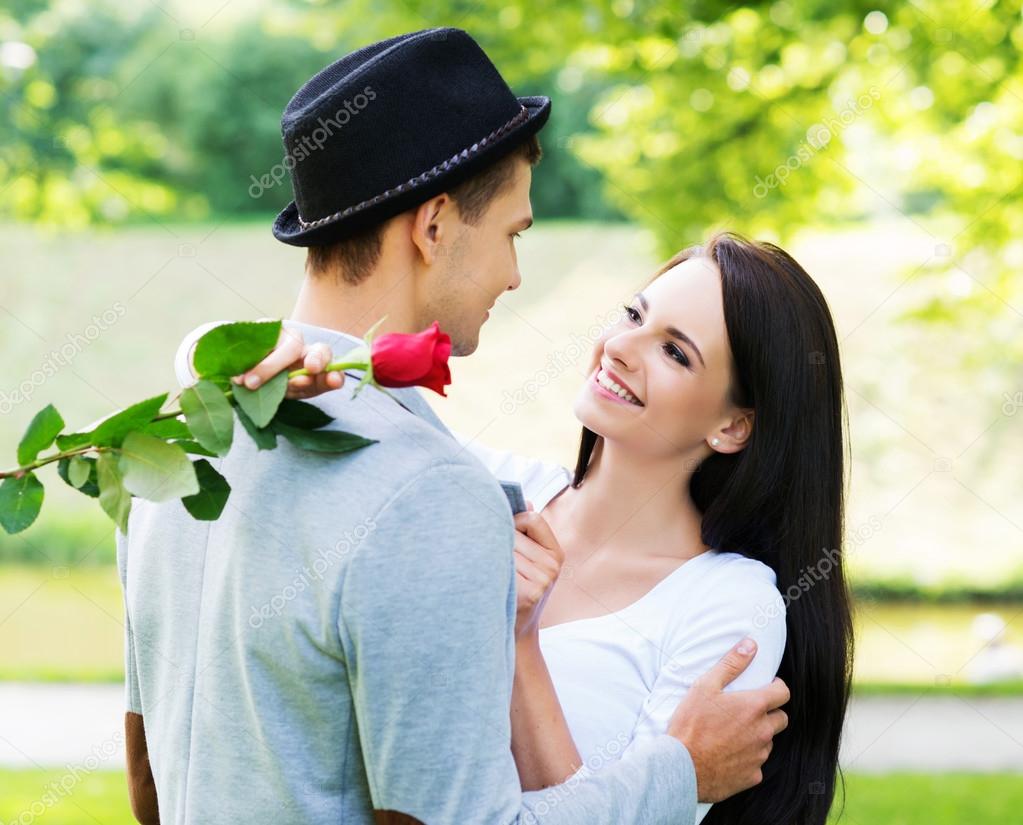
x=674 y=332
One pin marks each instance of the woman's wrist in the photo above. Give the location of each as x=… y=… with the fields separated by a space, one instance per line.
x=527 y=652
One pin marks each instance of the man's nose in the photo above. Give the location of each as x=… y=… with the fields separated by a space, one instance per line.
x=516 y=281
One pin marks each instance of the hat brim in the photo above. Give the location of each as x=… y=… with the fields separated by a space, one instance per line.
x=287 y=228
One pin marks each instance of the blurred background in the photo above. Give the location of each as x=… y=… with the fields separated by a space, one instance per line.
x=881 y=143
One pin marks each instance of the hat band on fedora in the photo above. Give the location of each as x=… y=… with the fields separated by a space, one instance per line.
x=444 y=166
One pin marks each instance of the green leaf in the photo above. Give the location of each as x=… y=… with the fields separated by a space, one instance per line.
x=322 y=441
x=261 y=404
x=79 y=471
x=111 y=431
x=231 y=349
x=265 y=438
x=73 y=441
x=194 y=447
x=209 y=416
x=113 y=497
x=156 y=470
x=208 y=503
x=91 y=487
x=168 y=428
x=41 y=431
x=21 y=499
x=300 y=414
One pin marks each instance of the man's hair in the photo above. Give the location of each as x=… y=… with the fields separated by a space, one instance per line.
x=354 y=256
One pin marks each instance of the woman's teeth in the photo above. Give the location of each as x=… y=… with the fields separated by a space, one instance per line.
x=618 y=390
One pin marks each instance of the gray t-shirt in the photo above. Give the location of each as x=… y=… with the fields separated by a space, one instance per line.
x=341 y=641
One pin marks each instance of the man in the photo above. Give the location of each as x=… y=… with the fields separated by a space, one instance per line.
x=339 y=645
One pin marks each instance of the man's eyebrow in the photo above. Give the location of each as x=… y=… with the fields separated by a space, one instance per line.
x=674 y=332
x=525 y=223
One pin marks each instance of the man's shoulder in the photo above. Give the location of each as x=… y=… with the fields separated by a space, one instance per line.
x=407 y=447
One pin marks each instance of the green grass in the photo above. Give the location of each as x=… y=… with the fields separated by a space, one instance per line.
x=60 y=797
x=935 y=799
x=1008 y=688
x=896 y=799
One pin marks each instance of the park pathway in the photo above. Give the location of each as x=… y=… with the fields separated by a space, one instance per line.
x=79 y=727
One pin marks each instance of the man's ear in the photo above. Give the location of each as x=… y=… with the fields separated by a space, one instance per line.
x=430 y=227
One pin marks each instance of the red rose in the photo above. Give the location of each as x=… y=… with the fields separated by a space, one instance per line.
x=419 y=360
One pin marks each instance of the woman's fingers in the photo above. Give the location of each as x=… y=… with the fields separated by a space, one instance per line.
x=535 y=527
x=537 y=554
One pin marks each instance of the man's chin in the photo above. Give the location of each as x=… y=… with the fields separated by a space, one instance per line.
x=462 y=346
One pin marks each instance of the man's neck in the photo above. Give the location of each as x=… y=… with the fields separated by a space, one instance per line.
x=324 y=302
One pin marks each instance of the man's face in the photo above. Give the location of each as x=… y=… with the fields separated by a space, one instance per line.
x=478 y=264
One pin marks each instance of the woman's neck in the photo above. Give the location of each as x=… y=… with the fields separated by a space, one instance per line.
x=639 y=504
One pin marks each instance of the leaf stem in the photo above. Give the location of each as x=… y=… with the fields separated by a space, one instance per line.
x=336 y=366
x=18 y=472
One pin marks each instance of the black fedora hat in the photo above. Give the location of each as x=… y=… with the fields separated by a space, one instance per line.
x=391 y=126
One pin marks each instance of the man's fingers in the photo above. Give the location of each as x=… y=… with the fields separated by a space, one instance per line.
x=288 y=350
x=777 y=693
x=316 y=358
x=779 y=720
x=734 y=662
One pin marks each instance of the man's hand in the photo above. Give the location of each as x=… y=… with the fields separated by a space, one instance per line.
x=291 y=353
x=729 y=735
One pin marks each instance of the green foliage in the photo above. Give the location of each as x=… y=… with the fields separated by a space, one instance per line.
x=301 y=414
x=142 y=451
x=40 y=434
x=261 y=404
x=21 y=498
x=209 y=416
x=322 y=441
x=229 y=349
x=156 y=470
x=265 y=438
x=209 y=502
x=113 y=497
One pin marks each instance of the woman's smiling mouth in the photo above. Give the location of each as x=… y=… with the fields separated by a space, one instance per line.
x=607 y=386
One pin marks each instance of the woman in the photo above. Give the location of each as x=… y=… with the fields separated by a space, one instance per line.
x=709 y=481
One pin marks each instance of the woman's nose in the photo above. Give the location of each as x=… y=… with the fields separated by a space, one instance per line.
x=620 y=348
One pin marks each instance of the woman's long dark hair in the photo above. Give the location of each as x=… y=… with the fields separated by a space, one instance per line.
x=781 y=500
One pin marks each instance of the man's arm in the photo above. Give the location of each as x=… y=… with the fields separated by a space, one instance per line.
x=141 y=785
x=427 y=624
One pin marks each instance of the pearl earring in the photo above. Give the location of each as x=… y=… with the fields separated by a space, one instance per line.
x=715 y=441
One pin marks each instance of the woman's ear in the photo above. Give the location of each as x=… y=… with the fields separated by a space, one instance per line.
x=733 y=437
x=428 y=227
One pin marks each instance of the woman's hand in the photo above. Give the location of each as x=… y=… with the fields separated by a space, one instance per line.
x=291 y=353
x=538 y=561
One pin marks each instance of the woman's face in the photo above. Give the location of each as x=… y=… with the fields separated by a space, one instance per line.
x=670 y=352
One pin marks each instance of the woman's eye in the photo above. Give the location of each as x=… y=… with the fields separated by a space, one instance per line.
x=677 y=354
x=631 y=313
